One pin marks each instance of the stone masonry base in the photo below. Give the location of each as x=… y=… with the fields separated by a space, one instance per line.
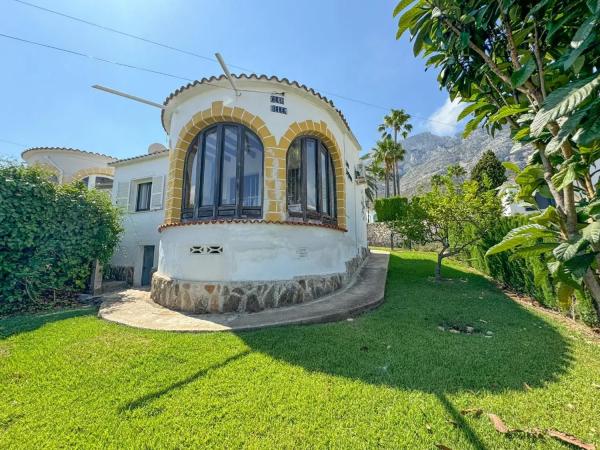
x=211 y=297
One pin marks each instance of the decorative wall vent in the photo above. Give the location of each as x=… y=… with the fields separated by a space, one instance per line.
x=206 y=249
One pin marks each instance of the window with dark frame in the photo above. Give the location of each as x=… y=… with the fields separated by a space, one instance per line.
x=223 y=174
x=310 y=181
x=144 y=191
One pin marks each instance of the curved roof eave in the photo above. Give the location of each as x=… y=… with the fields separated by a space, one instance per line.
x=254 y=77
x=67 y=149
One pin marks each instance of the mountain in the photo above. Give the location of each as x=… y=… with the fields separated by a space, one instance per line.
x=428 y=154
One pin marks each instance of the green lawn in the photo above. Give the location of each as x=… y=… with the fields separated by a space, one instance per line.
x=390 y=378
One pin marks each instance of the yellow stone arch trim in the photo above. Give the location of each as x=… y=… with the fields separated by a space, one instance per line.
x=216 y=113
x=103 y=171
x=321 y=131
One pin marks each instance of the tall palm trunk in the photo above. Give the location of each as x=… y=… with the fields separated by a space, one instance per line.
x=387 y=182
x=396 y=174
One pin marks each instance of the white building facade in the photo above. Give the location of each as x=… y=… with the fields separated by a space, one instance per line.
x=138 y=190
x=262 y=205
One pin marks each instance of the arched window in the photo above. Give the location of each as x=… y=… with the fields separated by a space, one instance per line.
x=223 y=174
x=310 y=181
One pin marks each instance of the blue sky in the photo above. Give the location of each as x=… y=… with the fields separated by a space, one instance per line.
x=344 y=47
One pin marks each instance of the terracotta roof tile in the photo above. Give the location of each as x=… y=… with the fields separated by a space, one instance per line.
x=275 y=222
x=146 y=155
x=67 y=149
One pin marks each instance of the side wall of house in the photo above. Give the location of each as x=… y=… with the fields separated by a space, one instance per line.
x=140 y=227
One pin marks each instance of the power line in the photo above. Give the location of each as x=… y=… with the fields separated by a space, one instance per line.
x=179 y=50
x=117 y=63
x=73 y=52
x=6 y=141
x=124 y=33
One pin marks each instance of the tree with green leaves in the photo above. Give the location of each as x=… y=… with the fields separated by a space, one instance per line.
x=489 y=166
x=531 y=66
x=394 y=124
x=50 y=236
x=454 y=215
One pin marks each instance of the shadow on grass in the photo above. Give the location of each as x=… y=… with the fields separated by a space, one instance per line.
x=401 y=345
x=144 y=400
x=13 y=325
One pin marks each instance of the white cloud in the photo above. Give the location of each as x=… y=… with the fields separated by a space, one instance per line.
x=443 y=120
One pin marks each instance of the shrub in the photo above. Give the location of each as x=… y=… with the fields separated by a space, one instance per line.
x=391 y=208
x=529 y=276
x=49 y=236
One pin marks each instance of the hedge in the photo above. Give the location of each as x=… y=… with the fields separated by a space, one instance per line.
x=50 y=235
x=528 y=276
x=390 y=209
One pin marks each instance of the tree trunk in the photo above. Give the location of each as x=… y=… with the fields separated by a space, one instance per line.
x=438 y=267
x=591 y=282
x=395 y=175
x=387 y=184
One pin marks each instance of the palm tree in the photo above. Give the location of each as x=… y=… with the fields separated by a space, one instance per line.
x=374 y=173
x=386 y=152
x=397 y=122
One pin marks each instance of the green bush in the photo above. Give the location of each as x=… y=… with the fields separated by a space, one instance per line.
x=529 y=276
x=391 y=208
x=49 y=237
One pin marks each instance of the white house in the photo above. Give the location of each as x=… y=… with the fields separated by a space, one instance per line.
x=257 y=203
x=71 y=164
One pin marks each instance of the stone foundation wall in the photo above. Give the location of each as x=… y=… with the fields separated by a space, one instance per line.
x=204 y=297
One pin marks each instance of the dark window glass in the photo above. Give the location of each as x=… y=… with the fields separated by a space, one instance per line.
x=311 y=174
x=332 y=188
x=324 y=200
x=252 y=173
x=294 y=177
x=143 y=196
x=210 y=169
x=229 y=171
x=103 y=183
x=190 y=177
x=223 y=174
x=85 y=181
x=310 y=181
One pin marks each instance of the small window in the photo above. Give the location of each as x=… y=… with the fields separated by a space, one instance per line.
x=104 y=183
x=144 y=191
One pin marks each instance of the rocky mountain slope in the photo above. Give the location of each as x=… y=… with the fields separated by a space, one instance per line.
x=428 y=154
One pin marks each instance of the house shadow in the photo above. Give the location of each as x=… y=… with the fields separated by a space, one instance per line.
x=13 y=325
x=407 y=343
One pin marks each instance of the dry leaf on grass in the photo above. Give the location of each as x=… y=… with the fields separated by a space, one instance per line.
x=564 y=437
x=442 y=447
x=452 y=422
x=526 y=386
x=498 y=423
x=428 y=428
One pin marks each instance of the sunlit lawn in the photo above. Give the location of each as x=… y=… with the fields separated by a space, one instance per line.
x=390 y=378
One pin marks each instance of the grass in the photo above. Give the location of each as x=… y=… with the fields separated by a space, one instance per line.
x=390 y=378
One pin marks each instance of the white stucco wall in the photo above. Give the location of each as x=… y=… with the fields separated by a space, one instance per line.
x=265 y=251
x=253 y=252
x=67 y=162
x=140 y=228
